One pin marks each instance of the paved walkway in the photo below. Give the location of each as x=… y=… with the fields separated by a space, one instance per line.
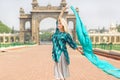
x=35 y=63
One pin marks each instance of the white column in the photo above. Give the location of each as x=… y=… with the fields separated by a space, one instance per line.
x=93 y=39
x=4 y=38
x=14 y=38
x=115 y=39
x=99 y=39
x=109 y=39
x=9 y=39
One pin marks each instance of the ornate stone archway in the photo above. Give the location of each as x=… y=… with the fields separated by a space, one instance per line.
x=37 y=14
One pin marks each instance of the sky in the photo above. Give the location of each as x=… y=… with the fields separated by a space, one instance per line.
x=94 y=13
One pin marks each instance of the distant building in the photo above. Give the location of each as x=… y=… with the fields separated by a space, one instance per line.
x=7 y=38
x=113 y=29
x=108 y=36
x=93 y=31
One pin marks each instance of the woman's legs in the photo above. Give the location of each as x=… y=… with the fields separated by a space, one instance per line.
x=61 y=70
x=62 y=79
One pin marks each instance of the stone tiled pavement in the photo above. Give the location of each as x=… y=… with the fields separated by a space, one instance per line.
x=35 y=63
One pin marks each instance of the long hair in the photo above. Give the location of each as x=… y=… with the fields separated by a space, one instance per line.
x=64 y=23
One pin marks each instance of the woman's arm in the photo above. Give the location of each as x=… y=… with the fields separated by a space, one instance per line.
x=72 y=43
x=62 y=12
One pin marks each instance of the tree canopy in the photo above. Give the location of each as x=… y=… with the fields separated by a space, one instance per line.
x=4 y=28
x=118 y=28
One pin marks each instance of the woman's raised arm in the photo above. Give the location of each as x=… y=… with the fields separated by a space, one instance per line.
x=62 y=12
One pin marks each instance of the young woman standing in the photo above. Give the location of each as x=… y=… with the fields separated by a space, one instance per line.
x=59 y=52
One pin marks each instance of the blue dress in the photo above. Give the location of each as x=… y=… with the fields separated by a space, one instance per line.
x=59 y=40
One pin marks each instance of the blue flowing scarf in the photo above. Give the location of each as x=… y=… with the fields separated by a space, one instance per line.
x=86 y=43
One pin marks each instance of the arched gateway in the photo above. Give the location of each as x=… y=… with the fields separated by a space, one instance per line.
x=37 y=14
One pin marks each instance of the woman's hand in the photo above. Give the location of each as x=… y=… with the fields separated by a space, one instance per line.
x=62 y=12
x=65 y=8
x=79 y=50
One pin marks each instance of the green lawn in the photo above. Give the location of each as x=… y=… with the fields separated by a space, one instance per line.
x=102 y=46
x=16 y=44
x=107 y=46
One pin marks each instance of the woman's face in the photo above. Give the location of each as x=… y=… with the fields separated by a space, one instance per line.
x=60 y=26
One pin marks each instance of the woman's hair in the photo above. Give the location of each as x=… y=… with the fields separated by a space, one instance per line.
x=64 y=23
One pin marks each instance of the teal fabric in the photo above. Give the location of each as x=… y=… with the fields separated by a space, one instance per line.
x=86 y=43
x=59 y=40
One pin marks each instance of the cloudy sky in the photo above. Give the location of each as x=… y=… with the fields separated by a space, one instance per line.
x=94 y=13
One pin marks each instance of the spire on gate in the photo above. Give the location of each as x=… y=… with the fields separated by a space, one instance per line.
x=22 y=12
x=63 y=3
x=35 y=4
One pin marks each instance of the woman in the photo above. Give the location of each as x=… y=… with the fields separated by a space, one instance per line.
x=59 y=52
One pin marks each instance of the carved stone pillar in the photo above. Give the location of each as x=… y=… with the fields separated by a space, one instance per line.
x=35 y=31
x=74 y=31
x=22 y=29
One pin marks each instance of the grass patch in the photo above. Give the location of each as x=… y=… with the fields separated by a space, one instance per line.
x=16 y=44
x=106 y=46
